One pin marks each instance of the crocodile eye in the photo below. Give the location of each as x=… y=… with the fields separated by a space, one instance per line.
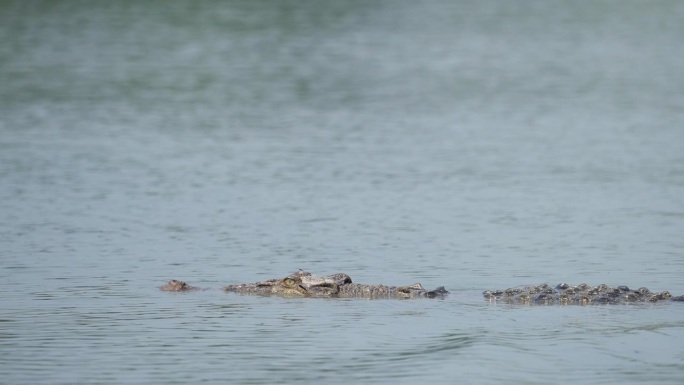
x=289 y=281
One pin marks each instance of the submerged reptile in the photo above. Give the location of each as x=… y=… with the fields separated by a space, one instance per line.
x=305 y=284
x=582 y=294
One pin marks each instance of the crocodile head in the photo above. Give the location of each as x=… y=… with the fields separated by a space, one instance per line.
x=299 y=284
x=288 y=286
x=321 y=285
x=176 y=285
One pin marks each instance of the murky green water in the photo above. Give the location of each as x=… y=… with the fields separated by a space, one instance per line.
x=474 y=145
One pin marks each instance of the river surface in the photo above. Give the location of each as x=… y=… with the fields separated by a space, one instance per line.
x=471 y=144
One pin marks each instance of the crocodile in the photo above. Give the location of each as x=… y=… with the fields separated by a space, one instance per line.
x=340 y=285
x=581 y=294
x=305 y=284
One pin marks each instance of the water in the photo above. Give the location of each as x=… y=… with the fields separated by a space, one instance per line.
x=475 y=145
